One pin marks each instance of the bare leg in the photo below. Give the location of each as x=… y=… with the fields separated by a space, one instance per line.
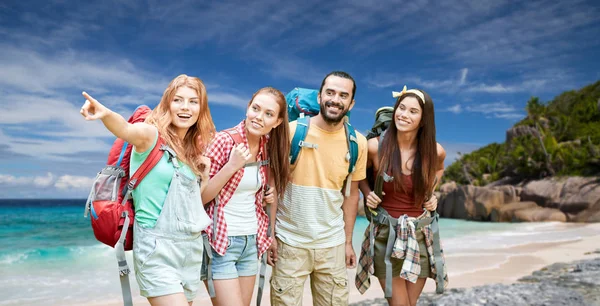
x=168 y=300
x=414 y=290
x=247 y=288
x=228 y=292
x=399 y=292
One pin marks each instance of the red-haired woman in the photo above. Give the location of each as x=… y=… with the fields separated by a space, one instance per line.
x=169 y=215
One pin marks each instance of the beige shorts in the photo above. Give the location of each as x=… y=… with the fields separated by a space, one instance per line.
x=380 y=245
x=327 y=270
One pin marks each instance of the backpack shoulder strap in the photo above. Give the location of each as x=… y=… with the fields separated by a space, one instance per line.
x=302 y=126
x=352 y=146
x=352 y=156
x=379 y=179
x=153 y=157
x=235 y=135
x=237 y=139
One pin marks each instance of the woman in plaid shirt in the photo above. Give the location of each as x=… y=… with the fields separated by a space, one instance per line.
x=239 y=185
x=410 y=154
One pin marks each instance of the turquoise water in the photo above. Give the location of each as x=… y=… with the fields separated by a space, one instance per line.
x=49 y=256
x=34 y=232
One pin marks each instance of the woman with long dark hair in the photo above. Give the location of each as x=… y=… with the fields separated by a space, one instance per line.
x=412 y=162
x=239 y=185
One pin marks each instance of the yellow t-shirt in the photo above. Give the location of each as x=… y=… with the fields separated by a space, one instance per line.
x=310 y=214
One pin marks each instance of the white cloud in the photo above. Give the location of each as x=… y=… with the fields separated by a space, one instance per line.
x=495 y=110
x=30 y=112
x=43 y=181
x=34 y=72
x=11 y=180
x=452 y=85
x=36 y=181
x=510 y=116
x=487 y=108
x=457 y=109
x=463 y=76
x=73 y=182
x=40 y=119
x=496 y=88
x=228 y=99
x=47 y=128
x=64 y=182
x=536 y=29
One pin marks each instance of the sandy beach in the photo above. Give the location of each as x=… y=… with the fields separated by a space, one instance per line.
x=479 y=266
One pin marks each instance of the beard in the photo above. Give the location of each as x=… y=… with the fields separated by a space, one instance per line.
x=331 y=119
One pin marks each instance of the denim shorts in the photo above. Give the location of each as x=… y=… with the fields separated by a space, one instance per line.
x=240 y=259
x=166 y=266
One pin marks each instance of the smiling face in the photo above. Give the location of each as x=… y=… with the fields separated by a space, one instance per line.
x=184 y=109
x=335 y=98
x=262 y=114
x=408 y=114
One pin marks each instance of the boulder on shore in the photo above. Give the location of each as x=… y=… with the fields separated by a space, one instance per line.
x=539 y=214
x=572 y=199
x=507 y=212
x=577 y=197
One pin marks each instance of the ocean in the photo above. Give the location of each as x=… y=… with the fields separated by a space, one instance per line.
x=49 y=256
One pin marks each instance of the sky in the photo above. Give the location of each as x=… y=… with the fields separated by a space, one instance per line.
x=479 y=60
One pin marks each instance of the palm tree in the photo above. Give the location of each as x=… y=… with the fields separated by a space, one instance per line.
x=535 y=111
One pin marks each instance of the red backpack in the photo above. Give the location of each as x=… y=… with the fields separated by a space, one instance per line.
x=110 y=202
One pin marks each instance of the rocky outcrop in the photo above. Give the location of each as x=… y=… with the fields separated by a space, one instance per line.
x=577 y=197
x=511 y=193
x=472 y=203
x=519 y=131
x=448 y=187
x=568 y=284
x=507 y=212
x=538 y=214
x=572 y=199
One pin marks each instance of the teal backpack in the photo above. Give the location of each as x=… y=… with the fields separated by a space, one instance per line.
x=302 y=104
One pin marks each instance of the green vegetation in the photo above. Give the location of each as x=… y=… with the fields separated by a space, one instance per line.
x=561 y=137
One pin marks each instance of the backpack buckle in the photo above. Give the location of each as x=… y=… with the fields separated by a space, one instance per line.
x=305 y=144
x=387 y=178
x=131 y=184
x=164 y=147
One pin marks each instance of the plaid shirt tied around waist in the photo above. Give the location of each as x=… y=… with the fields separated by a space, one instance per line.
x=405 y=247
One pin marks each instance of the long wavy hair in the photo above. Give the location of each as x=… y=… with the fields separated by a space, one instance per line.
x=425 y=160
x=279 y=141
x=198 y=135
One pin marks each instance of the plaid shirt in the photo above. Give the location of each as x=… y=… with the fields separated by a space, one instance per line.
x=405 y=247
x=218 y=152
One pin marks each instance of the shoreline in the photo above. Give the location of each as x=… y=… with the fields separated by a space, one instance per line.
x=507 y=266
